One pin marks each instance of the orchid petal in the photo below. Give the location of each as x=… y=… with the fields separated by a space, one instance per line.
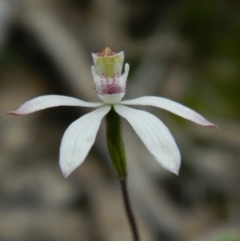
x=48 y=101
x=79 y=138
x=155 y=135
x=171 y=106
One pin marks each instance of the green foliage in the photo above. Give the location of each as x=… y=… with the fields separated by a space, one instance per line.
x=228 y=237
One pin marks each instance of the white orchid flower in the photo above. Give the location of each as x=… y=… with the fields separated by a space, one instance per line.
x=110 y=86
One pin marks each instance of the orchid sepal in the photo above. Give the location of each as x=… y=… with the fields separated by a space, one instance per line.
x=155 y=136
x=49 y=101
x=171 y=106
x=79 y=138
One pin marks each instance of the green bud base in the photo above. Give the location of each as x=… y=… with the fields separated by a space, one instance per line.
x=115 y=143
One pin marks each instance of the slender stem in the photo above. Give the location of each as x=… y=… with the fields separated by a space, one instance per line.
x=117 y=153
x=128 y=209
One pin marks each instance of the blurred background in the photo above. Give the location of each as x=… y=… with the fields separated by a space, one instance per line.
x=187 y=51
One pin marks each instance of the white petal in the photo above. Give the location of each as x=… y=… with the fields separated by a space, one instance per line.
x=124 y=76
x=48 y=101
x=155 y=135
x=171 y=106
x=96 y=77
x=121 y=55
x=95 y=57
x=78 y=140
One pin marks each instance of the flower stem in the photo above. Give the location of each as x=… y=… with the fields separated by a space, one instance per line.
x=117 y=153
x=128 y=209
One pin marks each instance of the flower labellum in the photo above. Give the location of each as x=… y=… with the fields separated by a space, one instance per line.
x=110 y=86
